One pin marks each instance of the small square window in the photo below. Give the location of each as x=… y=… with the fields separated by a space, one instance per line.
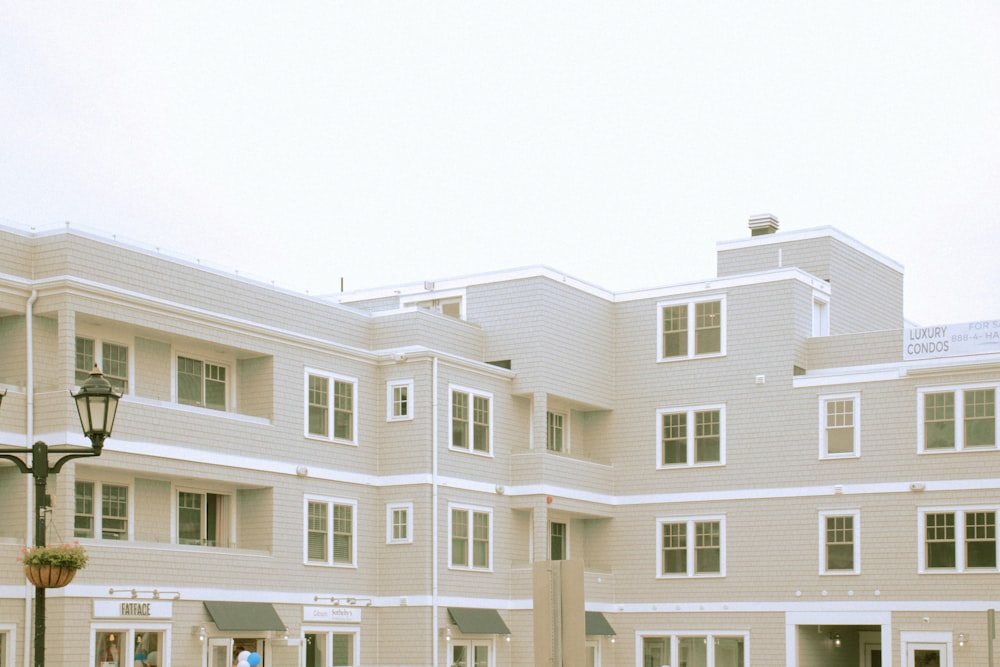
x=399 y=400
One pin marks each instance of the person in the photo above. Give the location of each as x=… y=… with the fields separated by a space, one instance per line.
x=152 y=659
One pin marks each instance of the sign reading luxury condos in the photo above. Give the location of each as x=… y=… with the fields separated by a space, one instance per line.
x=951 y=340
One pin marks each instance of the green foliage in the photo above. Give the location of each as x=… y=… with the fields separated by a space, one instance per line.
x=61 y=555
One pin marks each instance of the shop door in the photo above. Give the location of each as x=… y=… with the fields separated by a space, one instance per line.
x=220 y=653
x=926 y=655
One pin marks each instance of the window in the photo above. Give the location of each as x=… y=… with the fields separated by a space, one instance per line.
x=112 y=360
x=471 y=541
x=204 y=518
x=691 y=436
x=399 y=523
x=840 y=548
x=956 y=540
x=471 y=421
x=692 y=547
x=126 y=644
x=201 y=383
x=957 y=419
x=840 y=435
x=555 y=432
x=692 y=329
x=557 y=541
x=696 y=650
x=336 y=649
x=399 y=400
x=111 y=522
x=330 y=531
x=330 y=406
x=469 y=654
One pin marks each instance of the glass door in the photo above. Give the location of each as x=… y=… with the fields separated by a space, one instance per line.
x=220 y=652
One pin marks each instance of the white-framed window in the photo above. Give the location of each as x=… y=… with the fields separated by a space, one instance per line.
x=840 y=426
x=203 y=383
x=399 y=400
x=958 y=539
x=693 y=436
x=722 y=649
x=691 y=546
x=101 y=509
x=957 y=418
x=331 y=407
x=556 y=432
x=470 y=532
x=330 y=531
x=111 y=358
x=204 y=518
x=399 y=523
x=840 y=542
x=471 y=420
x=689 y=329
x=475 y=653
x=558 y=540
x=128 y=642
x=324 y=647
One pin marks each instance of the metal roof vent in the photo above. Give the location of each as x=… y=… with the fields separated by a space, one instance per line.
x=763 y=224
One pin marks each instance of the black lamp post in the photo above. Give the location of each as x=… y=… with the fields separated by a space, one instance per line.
x=96 y=403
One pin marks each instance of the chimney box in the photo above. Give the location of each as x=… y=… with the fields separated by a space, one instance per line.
x=763 y=224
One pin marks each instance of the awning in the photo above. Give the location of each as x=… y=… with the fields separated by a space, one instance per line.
x=598 y=625
x=244 y=616
x=478 y=621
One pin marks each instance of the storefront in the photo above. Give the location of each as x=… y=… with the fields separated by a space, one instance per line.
x=331 y=636
x=131 y=632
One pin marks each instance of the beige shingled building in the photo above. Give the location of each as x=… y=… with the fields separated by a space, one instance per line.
x=766 y=467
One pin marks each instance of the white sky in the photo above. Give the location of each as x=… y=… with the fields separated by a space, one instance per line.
x=388 y=142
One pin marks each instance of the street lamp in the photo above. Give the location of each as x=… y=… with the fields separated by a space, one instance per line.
x=96 y=403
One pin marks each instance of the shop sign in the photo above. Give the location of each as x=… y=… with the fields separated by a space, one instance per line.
x=331 y=615
x=951 y=340
x=134 y=609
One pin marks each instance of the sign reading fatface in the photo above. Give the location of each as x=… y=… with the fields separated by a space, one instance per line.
x=137 y=609
x=951 y=340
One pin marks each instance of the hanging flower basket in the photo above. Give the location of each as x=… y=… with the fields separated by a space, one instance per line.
x=53 y=566
x=49 y=576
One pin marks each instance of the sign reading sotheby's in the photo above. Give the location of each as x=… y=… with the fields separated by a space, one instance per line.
x=951 y=340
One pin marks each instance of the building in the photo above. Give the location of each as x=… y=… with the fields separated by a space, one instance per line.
x=768 y=467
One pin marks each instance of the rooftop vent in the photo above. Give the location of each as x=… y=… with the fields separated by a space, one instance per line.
x=763 y=224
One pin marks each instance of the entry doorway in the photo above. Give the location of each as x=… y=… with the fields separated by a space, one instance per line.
x=225 y=651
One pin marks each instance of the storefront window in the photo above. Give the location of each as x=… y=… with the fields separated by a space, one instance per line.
x=123 y=647
x=324 y=649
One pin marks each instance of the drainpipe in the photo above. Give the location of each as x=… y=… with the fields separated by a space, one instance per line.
x=29 y=420
x=435 y=625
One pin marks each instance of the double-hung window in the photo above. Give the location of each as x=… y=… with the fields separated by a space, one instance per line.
x=470 y=530
x=691 y=547
x=471 y=420
x=958 y=540
x=840 y=432
x=330 y=531
x=399 y=523
x=205 y=518
x=839 y=543
x=555 y=432
x=957 y=418
x=399 y=400
x=111 y=358
x=331 y=407
x=691 y=329
x=101 y=509
x=202 y=383
x=691 y=436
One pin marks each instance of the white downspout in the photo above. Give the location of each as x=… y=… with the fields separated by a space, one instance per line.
x=435 y=625
x=29 y=431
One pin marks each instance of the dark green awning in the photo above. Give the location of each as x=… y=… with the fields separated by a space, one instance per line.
x=598 y=625
x=244 y=616
x=478 y=621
